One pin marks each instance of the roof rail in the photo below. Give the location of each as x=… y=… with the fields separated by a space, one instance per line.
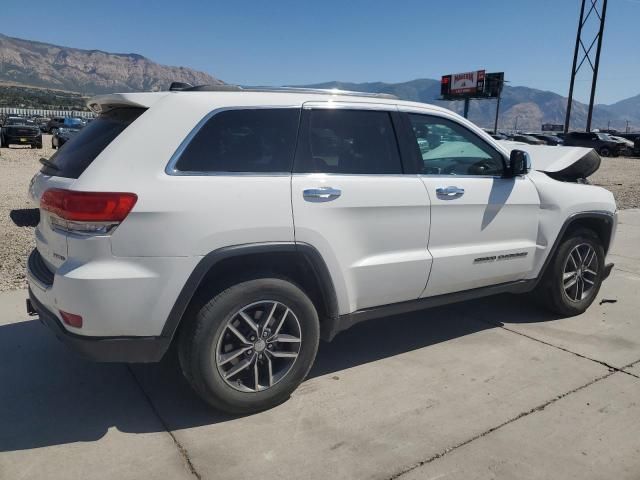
x=176 y=86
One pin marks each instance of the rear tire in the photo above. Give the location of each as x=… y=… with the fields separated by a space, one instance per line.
x=219 y=339
x=574 y=276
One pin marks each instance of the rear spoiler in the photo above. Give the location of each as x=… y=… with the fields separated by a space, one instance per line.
x=104 y=103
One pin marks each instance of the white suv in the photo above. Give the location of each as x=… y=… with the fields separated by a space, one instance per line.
x=247 y=224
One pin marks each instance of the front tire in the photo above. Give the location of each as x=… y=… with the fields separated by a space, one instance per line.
x=250 y=346
x=574 y=275
x=605 y=152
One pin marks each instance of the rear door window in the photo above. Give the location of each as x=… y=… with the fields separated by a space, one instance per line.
x=248 y=140
x=349 y=142
x=73 y=158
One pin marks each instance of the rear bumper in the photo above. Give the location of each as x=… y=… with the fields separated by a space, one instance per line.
x=116 y=296
x=102 y=349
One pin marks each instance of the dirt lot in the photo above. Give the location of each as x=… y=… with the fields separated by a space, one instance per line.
x=17 y=216
x=620 y=175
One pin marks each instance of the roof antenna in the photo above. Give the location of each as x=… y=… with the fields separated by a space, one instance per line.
x=177 y=86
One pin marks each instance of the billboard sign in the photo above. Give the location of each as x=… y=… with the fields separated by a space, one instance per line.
x=476 y=84
x=468 y=83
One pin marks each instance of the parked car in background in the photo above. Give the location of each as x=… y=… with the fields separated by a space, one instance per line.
x=42 y=123
x=600 y=142
x=548 y=139
x=53 y=123
x=626 y=146
x=526 y=139
x=61 y=135
x=20 y=131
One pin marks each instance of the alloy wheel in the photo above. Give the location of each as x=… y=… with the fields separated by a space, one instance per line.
x=259 y=346
x=580 y=272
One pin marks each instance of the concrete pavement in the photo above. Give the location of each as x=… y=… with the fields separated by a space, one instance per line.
x=494 y=388
x=591 y=433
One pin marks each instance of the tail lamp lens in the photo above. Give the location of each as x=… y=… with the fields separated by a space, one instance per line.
x=88 y=206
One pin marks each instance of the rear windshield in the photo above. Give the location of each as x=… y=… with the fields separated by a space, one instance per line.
x=76 y=155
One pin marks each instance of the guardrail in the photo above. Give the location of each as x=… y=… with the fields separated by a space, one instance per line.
x=45 y=113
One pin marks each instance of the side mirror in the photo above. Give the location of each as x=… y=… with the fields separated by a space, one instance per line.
x=519 y=163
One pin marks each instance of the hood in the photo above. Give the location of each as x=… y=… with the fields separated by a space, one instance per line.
x=562 y=163
x=623 y=141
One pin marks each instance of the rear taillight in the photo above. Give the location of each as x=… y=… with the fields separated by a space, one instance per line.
x=91 y=213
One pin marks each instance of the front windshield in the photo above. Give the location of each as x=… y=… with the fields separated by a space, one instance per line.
x=605 y=137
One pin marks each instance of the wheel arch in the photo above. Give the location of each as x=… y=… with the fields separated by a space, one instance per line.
x=300 y=263
x=603 y=223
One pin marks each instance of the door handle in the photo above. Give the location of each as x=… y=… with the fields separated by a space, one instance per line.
x=321 y=194
x=449 y=192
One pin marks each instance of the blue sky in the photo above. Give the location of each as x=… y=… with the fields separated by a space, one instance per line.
x=296 y=42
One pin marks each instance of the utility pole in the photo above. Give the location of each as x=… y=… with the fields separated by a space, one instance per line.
x=495 y=125
x=466 y=107
x=601 y=14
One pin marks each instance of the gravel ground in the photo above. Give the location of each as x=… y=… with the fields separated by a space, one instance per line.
x=17 y=214
x=622 y=177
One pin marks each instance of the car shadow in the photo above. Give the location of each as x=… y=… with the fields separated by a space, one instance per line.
x=50 y=396
x=25 y=217
x=500 y=192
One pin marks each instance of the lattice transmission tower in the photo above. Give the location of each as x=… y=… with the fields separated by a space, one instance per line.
x=598 y=8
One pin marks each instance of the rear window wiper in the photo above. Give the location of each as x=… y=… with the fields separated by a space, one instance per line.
x=49 y=164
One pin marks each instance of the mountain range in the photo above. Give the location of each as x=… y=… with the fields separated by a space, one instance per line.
x=36 y=64
x=40 y=64
x=520 y=107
